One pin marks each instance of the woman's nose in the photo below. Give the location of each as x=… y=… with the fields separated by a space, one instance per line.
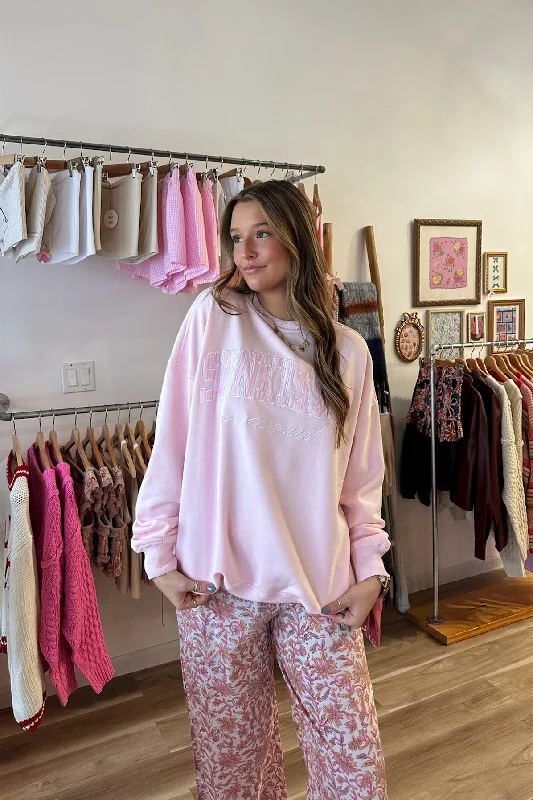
x=249 y=249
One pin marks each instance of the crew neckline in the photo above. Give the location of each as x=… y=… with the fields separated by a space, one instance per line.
x=283 y=324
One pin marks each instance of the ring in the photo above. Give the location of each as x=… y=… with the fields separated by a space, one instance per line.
x=195 y=587
x=195 y=601
x=338 y=604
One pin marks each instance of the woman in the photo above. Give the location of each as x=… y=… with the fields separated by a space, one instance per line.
x=259 y=515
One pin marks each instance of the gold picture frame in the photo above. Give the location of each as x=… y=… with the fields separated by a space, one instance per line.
x=512 y=317
x=446 y=326
x=409 y=337
x=496 y=266
x=447 y=262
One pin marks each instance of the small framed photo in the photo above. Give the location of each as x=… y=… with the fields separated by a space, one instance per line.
x=496 y=273
x=446 y=326
x=447 y=268
x=476 y=326
x=507 y=321
x=409 y=337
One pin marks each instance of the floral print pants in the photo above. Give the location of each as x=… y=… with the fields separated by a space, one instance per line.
x=227 y=657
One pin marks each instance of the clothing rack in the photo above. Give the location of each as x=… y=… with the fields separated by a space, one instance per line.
x=76 y=411
x=301 y=170
x=435 y=618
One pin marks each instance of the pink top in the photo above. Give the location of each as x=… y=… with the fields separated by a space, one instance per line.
x=197 y=256
x=45 y=512
x=211 y=233
x=245 y=487
x=81 y=624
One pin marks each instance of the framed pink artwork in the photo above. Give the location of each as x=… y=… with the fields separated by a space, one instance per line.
x=447 y=262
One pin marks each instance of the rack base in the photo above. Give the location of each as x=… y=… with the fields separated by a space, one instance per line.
x=477 y=612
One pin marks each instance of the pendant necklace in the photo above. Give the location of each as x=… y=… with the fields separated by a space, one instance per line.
x=271 y=322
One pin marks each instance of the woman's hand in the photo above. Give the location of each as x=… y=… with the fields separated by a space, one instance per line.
x=354 y=607
x=183 y=592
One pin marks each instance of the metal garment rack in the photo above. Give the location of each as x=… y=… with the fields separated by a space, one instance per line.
x=76 y=411
x=435 y=618
x=302 y=170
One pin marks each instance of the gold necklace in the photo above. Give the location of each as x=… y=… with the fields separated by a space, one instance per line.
x=270 y=320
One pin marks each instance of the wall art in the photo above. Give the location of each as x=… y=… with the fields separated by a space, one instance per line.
x=409 y=338
x=447 y=268
x=446 y=327
x=507 y=321
x=476 y=326
x=495 y=273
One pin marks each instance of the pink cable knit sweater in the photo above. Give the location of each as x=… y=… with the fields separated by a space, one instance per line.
x=81 y=624
x=45 y=512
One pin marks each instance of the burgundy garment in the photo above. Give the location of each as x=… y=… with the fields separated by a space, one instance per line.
x=493 y=410
x=471 y=485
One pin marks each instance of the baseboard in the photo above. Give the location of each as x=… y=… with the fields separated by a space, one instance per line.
x=123 y=664
x=415 y=583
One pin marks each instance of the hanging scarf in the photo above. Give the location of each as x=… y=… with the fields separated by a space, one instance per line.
x=358 y=309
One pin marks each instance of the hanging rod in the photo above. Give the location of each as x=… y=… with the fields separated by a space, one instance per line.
x=69 y=144
x=437 y=347
x=70 y=412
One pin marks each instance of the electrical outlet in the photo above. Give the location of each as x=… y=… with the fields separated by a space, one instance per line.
x=77 y=376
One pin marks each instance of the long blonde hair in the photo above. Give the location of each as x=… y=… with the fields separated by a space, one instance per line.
x=291 y=219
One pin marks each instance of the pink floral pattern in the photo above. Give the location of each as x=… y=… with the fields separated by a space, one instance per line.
x=227 y=653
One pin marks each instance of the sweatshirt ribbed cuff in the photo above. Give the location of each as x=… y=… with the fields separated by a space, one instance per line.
x=159 y=559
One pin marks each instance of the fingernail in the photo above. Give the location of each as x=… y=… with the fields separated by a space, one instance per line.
x=325 y=610
x=211 y=587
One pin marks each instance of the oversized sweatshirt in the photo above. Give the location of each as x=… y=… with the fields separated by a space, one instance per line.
x=245 y=487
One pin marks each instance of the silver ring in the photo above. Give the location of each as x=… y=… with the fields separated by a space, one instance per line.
x=338 y=604
x=195 y=587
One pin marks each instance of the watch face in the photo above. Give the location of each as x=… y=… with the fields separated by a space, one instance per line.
x=409 y=342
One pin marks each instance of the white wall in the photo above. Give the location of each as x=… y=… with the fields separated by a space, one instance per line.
x=417 y=109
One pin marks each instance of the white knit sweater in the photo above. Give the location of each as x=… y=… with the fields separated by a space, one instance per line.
x=19 y=598
x=514 y=554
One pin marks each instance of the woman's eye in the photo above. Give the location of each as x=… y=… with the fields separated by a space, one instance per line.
x=236 y=239
x=262 y=234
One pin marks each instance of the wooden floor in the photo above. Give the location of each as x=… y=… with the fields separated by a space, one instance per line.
x=456 y=724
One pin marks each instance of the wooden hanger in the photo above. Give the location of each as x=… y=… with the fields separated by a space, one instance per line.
x=54 y=443
x=140 y=431
x=40 y=443
x=17 y=450
x=121 y=444
x=75 y=439
x=106 y=437
x=133 y=446
x=90 y=438
x=493 y=367
x=463 y=363
x=151 y=435
x=525 y=364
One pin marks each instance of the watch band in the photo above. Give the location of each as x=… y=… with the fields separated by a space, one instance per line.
x=385 y=584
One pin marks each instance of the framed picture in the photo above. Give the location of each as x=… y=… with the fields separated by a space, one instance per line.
x=476 y=326
x=507 y=321
x=446 y=327
x=495 y=272
x=447 y=262
x=409 y=337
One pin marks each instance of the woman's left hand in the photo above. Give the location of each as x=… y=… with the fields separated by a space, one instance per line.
x=356 y=604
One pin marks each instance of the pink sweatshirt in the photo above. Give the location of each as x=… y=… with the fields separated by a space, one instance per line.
x=245 y=487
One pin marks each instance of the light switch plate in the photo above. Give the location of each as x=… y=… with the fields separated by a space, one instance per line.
x=77 y=376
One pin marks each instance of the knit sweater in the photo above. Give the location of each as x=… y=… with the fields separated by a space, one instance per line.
x=245 y=486
x=19 y=598
x=45 y=510
x=514 y=553
x=81 y=624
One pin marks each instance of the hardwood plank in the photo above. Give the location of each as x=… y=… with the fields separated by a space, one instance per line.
x=78 y=771
x=287 y=729
x=492 y=760
x=83 y=701
x=460 y=665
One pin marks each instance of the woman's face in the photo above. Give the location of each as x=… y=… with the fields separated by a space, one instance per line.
x=262 y=260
